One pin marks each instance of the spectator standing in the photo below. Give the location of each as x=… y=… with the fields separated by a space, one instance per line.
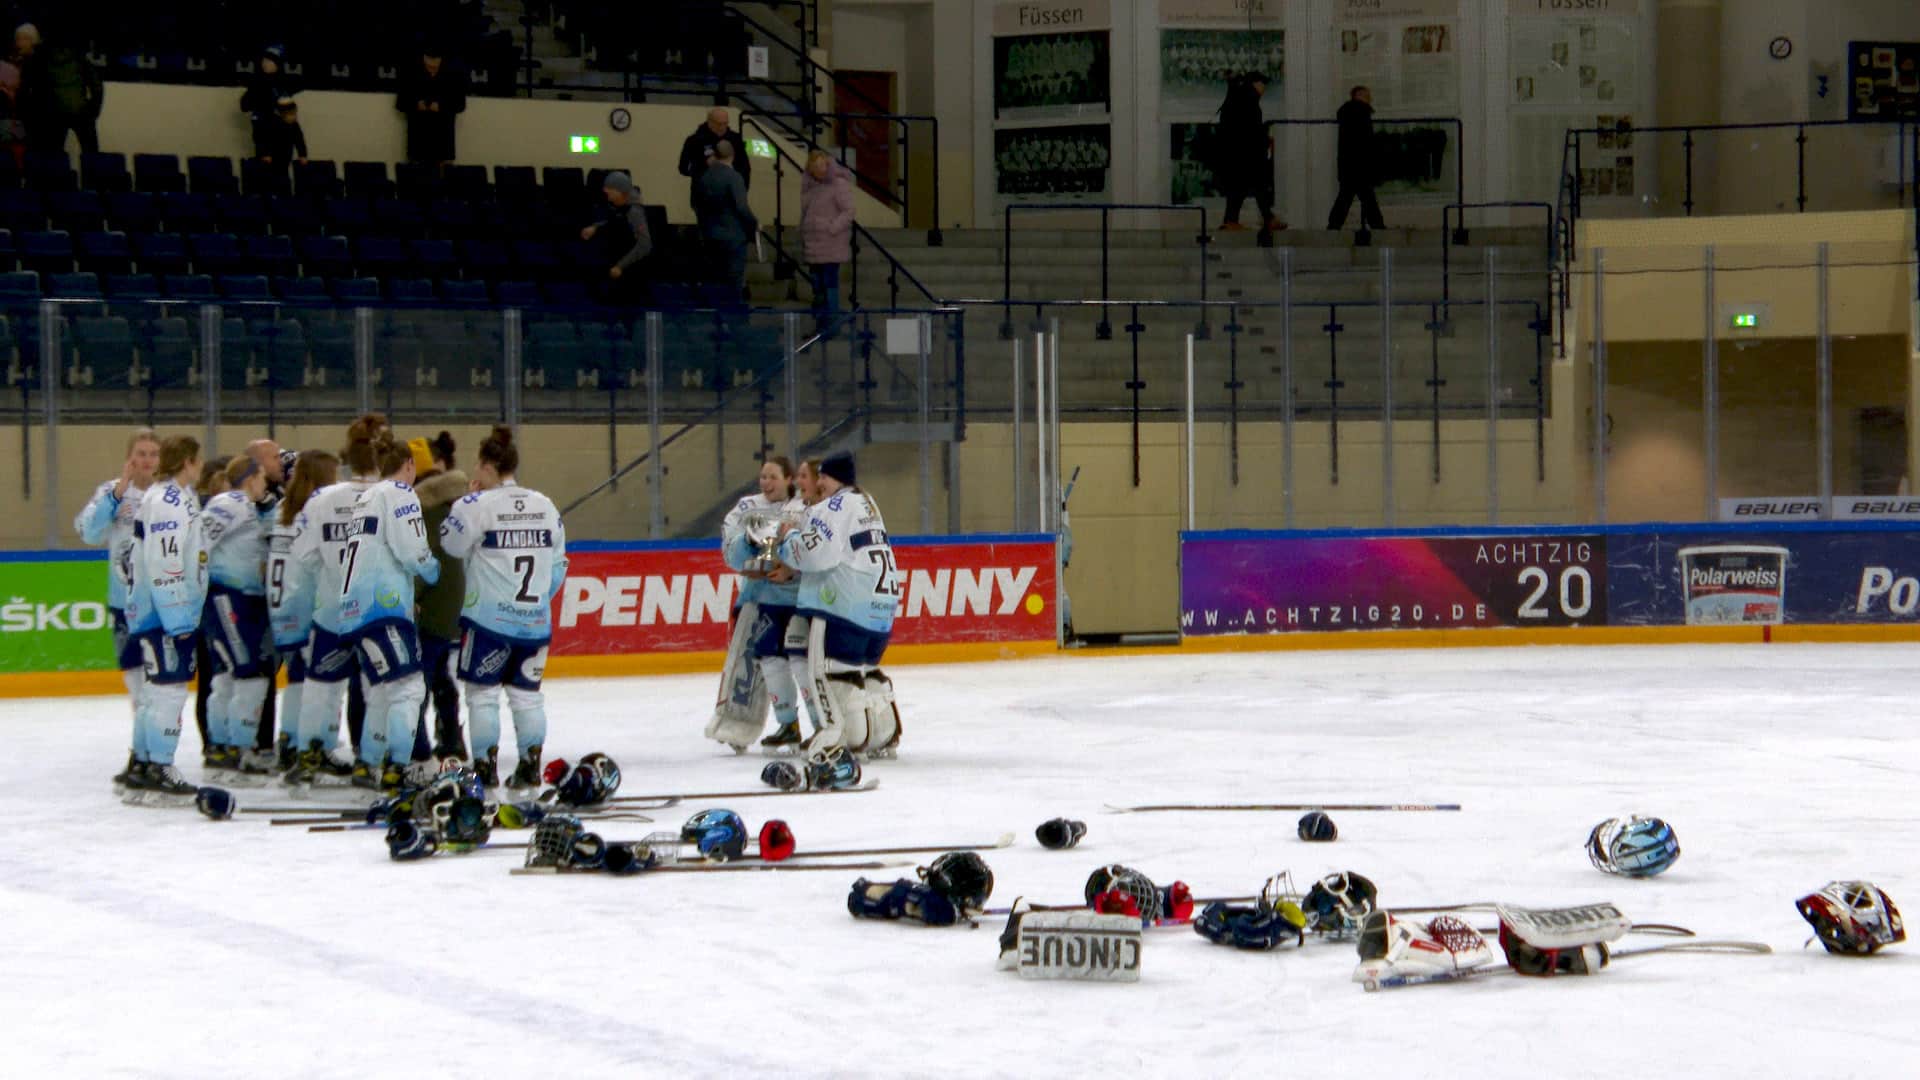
x=13 y=133
x=60 y=92
x=439 y=486
x=268 y=86
x=1355 y=162
x=625 y=230
x=826 y=230
x=697 y=153
x=285 y=144
x=1245 y=154
x=726 y=221
x=431 y=94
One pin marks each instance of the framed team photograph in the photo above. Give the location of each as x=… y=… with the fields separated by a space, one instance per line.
x=1042 y=75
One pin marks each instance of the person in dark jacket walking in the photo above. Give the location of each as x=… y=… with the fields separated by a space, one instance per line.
x=726 y=221
x=696 y=154
x=60 y=91
x=261 y=101
x=431 y=95
x=439 y=485
x=624 y=231
x=1355 y=162
x=1245 y=160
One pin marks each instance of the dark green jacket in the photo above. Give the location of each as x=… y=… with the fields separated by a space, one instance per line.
x=440 y=602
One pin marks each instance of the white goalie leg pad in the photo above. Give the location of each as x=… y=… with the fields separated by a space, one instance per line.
x=838 y=696
x=740 y=710
x=883 y=715
x=1445 y=946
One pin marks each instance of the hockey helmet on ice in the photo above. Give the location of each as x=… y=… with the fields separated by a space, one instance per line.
x=1338 y=903
x=962 y=877
x=1852 y=917
x=719 y=834
x=1128 y=883
x=1633 y=846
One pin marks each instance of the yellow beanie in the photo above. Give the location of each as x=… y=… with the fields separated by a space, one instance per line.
x=422 y=455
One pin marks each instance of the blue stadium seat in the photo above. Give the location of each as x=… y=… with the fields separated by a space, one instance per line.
x=211 y=176
x=302 y=290
x=451 y=219
x=434 y=258
x=160 y=253
x=74 y=286
x=243 y=214
x=105 y=252
x=19 y=285
x=468 y=182
x=76 y=211
x=188 y=213
x=463 y=292
x=133 y=287
x=157 y=173
x=197 y=287
x=360 y=290
x=282 y=346
x=399 y=217
x=567 y=293
x=410 y=291
x=104 y=172
x=485 y=259
x=169 y=353
x=367 y=179
x=379 y=256
x=563 y=185
x=271 y=255
x=325 y=257
x=51 y=172
x=416 y=182
x=332 y=344
x=517 y=294
x=23 y=211
x=295 y=215
x=237 y=368
x=216 y=253
x=261 y=178
x=133 y=211
x=552 y=354
x=47 y=252
x=450 y=356
x=9 y=255
x=536 y=260
x=515 y=185
x=103 y=350
x=347 y=216
x=399 y=356
x=316 y=180
x=245 y=287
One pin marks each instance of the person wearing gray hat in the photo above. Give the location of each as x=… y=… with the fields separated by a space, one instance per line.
x=626 y=221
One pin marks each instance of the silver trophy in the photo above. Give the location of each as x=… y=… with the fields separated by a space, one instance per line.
x=763 y=532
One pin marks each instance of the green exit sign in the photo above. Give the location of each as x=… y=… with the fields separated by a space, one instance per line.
x=759 y=148
x=1745 y=320
x=583 y=144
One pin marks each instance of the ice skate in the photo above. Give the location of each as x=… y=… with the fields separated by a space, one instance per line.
x=783 y=742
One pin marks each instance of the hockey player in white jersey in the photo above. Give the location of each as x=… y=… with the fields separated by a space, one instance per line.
x=757 y=670
x=320 y=547
x=849 y=588
x=386 y=549
x=514 y=546
x=107 y=520
x=168 y=590
x=234 y=527
x=290 y=591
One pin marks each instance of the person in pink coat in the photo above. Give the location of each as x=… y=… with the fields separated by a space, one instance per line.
x=826 y=228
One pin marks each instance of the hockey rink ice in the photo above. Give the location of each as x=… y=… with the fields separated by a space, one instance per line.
x=153 y=942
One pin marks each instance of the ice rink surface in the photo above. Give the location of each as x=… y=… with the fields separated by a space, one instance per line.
x=155 y=943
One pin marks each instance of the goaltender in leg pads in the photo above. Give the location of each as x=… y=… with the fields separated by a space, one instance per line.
x=854 y=697
x=740 y=713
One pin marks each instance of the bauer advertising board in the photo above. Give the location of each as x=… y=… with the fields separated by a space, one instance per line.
x=653 y=598
x=53 y=612
x=1251 y=582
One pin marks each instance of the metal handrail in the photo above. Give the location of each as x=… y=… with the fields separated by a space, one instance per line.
x=1449 y=237
x=904 y=120
x=1106 y=209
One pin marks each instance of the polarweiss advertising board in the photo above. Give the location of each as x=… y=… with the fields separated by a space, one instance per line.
x=618 y=600
x=1824 y=573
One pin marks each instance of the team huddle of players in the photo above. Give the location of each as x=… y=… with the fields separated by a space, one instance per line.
x=815 y=610
x=308 y=561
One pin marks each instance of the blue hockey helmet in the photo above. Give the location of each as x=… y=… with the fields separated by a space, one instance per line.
x=1633 y=846
x=590 y=782
x=719 y=834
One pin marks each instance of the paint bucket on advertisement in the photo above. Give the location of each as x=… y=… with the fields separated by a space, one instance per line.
x=1730 y=584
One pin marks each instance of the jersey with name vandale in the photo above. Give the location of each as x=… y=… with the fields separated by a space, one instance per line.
x=386 y=548
x=515 y=550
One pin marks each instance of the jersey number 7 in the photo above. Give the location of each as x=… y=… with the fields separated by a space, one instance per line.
x=348 y=556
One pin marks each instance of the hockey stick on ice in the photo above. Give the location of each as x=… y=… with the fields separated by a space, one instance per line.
x=716 y=868
x=356 y=817
x=360 y=826
x=1005 y=841
x=1730 y=948
x=1111 y=809
x=692 y=796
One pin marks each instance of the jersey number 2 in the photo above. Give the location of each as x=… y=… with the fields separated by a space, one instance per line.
x=524 y=565
x=889 y=583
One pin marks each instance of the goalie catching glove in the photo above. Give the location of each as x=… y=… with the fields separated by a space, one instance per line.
x=1392 y=945
x=1853 y=918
